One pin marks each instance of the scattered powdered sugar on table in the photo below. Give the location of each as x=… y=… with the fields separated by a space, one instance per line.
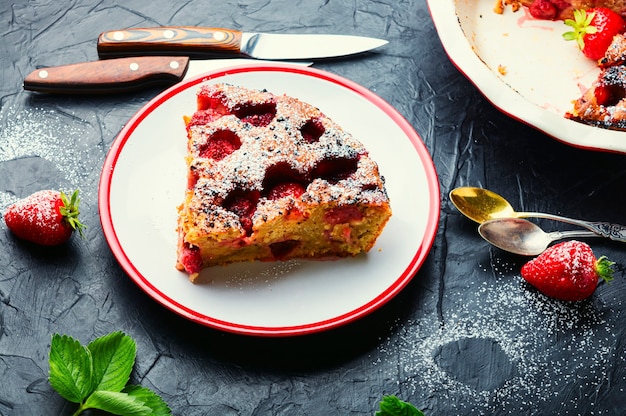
x=548 y=348
x=247 y=276
x=56 y=137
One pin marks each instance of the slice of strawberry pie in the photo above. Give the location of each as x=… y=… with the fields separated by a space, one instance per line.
x=604 y=103
x=272 y=178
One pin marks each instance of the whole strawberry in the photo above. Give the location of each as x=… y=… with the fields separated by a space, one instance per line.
x=594 y=30
x=46 y=217
x=567 y=271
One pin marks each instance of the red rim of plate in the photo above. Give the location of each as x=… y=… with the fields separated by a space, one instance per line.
x=269 y=331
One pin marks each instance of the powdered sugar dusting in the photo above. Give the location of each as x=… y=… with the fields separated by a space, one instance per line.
x=58 y=139
x=38 y=209
x=536 y=349
x=262 y=276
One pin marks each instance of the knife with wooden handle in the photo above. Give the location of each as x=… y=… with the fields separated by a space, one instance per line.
x=109 y=76
x=121 y=75
x=207 y=41
x=169 y=40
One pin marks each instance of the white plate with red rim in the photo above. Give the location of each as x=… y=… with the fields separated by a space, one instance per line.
x=523 y=66
x=143 y=181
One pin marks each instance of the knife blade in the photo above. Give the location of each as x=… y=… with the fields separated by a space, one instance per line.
x=202 y=42
x=124 y=74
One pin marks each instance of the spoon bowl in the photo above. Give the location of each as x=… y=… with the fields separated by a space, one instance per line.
x=520 y=236
x=481 y=205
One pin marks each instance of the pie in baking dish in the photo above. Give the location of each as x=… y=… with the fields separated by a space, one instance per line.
x=603 y=104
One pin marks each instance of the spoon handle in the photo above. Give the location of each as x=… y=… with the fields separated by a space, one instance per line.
x=560 y=235
x=615 y=232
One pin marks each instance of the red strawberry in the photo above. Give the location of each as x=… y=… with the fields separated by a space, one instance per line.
x=544 y=9
x=285 y=189
x=244 y=206
x=567 y=271
x=46 y=217
x=221 y=144
x=594 y=30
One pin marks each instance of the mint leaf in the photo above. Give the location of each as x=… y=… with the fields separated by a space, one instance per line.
x=113 y=360
x=392 y=406
x=150 y=399
x=95 y=376
x=70 y=368
x=116 y=403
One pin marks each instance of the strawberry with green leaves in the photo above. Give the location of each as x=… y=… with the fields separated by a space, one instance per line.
x=46 y=218
x=568 y=271
x=594 y=29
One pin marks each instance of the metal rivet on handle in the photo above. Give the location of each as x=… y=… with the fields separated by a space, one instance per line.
x=219 y=36
x=118 y=35
x=134 y=66
x=168 y=34
x=43 y=74
x=174 y=64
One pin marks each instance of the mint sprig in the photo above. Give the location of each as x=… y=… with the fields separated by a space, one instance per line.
x=392 y=406
x=96 y=376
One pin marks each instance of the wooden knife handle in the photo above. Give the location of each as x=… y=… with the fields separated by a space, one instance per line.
x=173 y=40
x=108 y=76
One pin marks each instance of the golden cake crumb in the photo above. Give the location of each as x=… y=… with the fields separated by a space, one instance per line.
x=500 y=5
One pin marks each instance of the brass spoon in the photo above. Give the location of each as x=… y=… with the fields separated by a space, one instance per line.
x=482 y=205
x=519 y=236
